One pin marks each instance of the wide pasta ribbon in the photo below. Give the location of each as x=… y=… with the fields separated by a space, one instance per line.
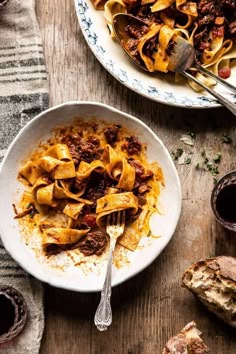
x=111 y=203
x=218 y=48
x=161 y=58
x=59 y=236
x=85 y=169
x=153 y=31
x=62 y=190
x=187 y=7
x=73 y=210
x=44 y=195
x=58 y=162
x=31 y=172
x=119 y=169
x=161 y=5
x=113 y=7
x=224 y=61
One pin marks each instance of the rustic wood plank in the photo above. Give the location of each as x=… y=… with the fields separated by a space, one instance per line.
x=153 y=306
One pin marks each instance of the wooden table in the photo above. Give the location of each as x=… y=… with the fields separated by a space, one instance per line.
x=152 y=306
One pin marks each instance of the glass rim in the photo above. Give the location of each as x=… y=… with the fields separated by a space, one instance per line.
x=228 y=225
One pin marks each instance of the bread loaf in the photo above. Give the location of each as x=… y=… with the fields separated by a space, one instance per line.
x=188 y=341
x=213 y=281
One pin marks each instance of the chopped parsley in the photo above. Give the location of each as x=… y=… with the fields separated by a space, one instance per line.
x=212 y=168
x=33 y=210
x=209 y=164
x=226 y=139
x=217 y=158
x=188 y=161
x=177 y=153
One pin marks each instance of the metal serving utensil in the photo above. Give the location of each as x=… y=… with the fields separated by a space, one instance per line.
x=181 y=59
x=115 y=228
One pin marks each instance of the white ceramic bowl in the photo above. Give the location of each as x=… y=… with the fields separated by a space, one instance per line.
x=74 y=278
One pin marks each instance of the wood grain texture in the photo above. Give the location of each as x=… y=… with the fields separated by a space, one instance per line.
x=153 y=306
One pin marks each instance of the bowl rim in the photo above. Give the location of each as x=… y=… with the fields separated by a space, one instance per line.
x=39 y=274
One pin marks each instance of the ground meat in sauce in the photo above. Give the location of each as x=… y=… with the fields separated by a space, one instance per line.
x=111 y=133
x=132 y=145
x=96 y=187
x=150 y=46
x=170 y=47
x=135 y=33
x=140 y=172
x=144 y=13
x=216 y=17
x=94 y=242
x=139 y=169
x=81 y=149
x=141 y=176
x=89 y=220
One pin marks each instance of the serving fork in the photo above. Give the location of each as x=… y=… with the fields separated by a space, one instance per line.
x=181 y=59
x=115 y=228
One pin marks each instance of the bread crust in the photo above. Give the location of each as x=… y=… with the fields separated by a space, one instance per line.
x=187 y=341
x=213 y=281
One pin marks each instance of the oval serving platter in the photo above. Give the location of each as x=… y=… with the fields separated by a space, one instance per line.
x=158 y=87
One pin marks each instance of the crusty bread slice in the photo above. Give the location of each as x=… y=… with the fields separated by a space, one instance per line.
x=213 y=281
x=188 y=341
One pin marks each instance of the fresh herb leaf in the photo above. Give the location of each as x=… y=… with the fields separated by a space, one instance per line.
x=33 y=212
x=188 y=161
x=203 y=153
x=213 y=169
x=177 y=153
x=217 y=158
x=226 y=139
x=208 y=164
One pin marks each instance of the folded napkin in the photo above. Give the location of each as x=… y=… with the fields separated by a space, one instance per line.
x=23 y=94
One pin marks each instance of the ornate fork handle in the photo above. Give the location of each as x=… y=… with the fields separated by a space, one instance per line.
x=103 y=315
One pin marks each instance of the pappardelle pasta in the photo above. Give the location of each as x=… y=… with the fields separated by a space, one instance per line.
x=209 y=25
x=81 y=175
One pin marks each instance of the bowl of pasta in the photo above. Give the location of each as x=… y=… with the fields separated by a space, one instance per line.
x=208 y=25
x=65 y=173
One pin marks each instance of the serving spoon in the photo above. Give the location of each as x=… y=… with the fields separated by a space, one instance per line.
x=181 y=59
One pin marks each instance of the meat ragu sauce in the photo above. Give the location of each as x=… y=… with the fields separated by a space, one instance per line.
x=217 y=16
x=88 y=145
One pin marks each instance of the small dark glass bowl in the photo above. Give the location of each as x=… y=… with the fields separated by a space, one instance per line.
x=226 y=180
x=20 y=309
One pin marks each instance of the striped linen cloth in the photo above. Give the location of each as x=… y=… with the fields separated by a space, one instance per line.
x=23 y=94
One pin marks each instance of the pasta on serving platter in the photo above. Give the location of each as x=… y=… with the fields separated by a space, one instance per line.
x=81 y=175
x=209 y=25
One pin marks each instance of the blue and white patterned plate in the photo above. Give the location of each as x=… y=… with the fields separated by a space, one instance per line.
x=158 y=87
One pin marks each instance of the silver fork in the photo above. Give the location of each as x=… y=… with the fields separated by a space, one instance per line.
x=115 y=228
x=183 y=58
